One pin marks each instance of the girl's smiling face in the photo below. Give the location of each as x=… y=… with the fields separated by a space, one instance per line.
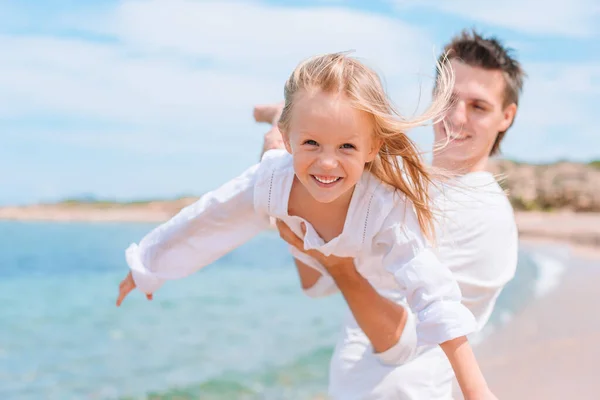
x=330 y=142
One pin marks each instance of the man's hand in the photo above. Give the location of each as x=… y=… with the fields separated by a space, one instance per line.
x=268 y=113
x=381 y=319
x=331 y=263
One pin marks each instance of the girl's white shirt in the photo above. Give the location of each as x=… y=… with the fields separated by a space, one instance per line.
x=381 y=233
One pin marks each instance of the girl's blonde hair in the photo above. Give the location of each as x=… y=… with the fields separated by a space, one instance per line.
x=398 y=162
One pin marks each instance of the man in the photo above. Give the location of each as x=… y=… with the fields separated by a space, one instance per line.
x=477 y=234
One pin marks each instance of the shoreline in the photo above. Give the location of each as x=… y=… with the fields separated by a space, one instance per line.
x=580 y=230
x=148 y=212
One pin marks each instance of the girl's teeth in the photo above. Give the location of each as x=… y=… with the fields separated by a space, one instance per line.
x=325 y=180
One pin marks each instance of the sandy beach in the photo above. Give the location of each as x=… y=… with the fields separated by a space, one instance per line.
x=151 y=211
x=550 y=351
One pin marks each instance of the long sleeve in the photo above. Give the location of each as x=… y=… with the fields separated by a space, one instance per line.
x=198 y=235
x=406 y=347
x=431 y=290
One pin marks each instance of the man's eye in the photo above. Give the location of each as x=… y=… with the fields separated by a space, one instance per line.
x=310 y=143
x=348 y=146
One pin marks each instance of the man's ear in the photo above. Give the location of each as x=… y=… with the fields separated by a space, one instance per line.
x=508 y=117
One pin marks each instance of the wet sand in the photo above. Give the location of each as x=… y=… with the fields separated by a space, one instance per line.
x=551 y=350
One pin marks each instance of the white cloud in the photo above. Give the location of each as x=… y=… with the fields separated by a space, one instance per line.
x=91 y=79
x=263 y=37
x=561 y=93
x=183 y=62
x=557 y=113
x=180 y=77
x=575 y=18
x=175 y=77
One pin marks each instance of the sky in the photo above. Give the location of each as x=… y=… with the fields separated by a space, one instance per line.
x=153 y=99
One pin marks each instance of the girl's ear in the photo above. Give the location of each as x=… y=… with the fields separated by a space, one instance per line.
x=375 y=147
x=286 y=141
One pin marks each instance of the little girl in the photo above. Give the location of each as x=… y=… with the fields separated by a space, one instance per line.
x=341 y=186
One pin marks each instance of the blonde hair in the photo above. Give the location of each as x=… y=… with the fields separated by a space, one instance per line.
x=338 y=73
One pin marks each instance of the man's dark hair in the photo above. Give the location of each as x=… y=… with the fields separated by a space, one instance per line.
x=488 y=53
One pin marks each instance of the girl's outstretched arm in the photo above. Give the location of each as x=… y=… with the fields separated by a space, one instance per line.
x=198 y=235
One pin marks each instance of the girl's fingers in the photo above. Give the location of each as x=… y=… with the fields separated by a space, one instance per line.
x=122 y=294
x=124 y=288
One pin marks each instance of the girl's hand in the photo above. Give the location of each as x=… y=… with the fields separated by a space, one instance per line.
x=331 y=263
x=126 y=286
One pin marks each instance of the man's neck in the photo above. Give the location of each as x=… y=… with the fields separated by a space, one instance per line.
x=460 y=168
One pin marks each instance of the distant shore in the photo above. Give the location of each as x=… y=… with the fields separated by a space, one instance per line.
x=581 y=230
x=97 y=211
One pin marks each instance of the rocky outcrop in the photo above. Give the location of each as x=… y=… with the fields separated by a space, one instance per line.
x=559 y=186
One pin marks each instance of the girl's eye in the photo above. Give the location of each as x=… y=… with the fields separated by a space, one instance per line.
x=310 y=143
x=478 y=107
x=348 y=146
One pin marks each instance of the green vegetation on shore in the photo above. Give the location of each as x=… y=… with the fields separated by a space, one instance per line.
x=91 y=201
x=100 y=203
x=530 y=187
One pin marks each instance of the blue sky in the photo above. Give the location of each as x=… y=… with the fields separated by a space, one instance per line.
x=140 y=99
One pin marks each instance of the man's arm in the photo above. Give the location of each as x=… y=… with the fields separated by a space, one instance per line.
x=380 y=319
x=308 y=276
x=383 y=321
x=272 y=140
x=270 y=113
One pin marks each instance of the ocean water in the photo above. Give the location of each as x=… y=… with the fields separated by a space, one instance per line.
x=239 y=329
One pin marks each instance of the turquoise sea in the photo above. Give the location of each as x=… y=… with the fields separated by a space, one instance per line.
x=239 y=329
